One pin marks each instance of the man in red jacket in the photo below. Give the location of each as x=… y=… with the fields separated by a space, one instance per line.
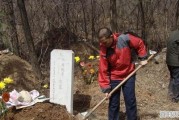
x=116 y=64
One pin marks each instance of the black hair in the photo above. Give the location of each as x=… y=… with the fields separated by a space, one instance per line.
x=104 y=32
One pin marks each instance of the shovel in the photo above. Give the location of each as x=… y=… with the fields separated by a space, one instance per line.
x=79 y=116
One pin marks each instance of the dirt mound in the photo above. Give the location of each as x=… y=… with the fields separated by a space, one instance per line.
x=19 y=70
x=24 y=79
x=40 y=111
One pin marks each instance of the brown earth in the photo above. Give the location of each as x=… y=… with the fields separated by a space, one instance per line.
x=151 y=92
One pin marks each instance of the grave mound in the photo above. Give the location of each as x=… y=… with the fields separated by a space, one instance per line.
x=40 y=111
x=22 y=74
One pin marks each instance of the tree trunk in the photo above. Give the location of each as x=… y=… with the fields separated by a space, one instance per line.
x=66 y=13
x=84 y=18
x=14 y=47
x=113 y=17
x=93 y=6
x=29 y=39
x=141 y=9
x=176 y=14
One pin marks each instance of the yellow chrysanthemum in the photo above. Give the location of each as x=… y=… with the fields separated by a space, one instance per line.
x=45 y=86
x=77 y=58
x=8 y=80
x=91 y=57
x=84 y=72
x=92 y=71
x=2 y=85
x=97 y=56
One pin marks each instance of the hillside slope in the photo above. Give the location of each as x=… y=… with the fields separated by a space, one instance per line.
x=151 y=91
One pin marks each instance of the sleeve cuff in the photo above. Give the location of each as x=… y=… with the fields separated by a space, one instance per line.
x=106 y=90
x=143 y=58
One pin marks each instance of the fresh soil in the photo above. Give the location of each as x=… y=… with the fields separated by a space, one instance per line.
x=151 y=92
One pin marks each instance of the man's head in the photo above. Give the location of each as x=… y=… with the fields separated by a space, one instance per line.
x=105 y=36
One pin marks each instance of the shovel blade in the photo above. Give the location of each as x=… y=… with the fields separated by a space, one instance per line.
x=85 y=116
x=79 y=116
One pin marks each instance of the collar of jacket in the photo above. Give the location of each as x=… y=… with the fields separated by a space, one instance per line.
x=115 y=37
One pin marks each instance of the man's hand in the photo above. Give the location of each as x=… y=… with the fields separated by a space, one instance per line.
x=107 y=95
x=143 y=62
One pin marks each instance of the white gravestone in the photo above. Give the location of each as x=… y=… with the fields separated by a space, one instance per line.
x=61 y=78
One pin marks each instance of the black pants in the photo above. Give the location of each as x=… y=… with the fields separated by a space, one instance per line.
x=174 y=82
x=128 y=89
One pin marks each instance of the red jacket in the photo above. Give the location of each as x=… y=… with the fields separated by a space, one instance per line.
x=116 y=62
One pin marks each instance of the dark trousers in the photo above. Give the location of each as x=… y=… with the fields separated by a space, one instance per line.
x=174 y=83
x=128 y=89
